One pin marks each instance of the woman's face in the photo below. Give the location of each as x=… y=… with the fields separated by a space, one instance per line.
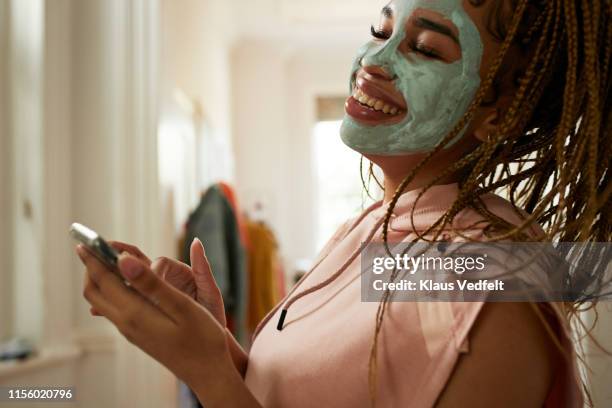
x=412 y=83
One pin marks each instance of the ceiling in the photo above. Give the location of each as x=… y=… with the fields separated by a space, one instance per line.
x=325 y=22
x=344 y=12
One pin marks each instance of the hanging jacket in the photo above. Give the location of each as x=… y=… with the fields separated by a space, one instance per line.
x=214 y=223
x=230 y=195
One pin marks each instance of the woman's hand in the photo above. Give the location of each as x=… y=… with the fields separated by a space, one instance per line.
x=168 y=325
x=196 y=282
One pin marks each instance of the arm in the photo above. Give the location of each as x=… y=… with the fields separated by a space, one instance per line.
x=510 y=362
x=223 y=387
x=239 y=356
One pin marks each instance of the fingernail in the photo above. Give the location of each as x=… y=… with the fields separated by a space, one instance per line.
x=80 y=252
x=130 y=267
x=196 y=239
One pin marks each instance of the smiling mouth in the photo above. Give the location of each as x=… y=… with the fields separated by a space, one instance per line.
x=371 y=106
x=373 y=103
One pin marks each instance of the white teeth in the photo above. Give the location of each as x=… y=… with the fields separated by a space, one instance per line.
x=374 y=103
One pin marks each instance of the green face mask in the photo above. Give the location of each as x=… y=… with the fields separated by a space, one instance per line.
x=437 y=93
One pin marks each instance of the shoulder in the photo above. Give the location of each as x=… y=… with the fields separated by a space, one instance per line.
x=469 y=221
x=470 y=218
x=340 y=233
x=510 y=353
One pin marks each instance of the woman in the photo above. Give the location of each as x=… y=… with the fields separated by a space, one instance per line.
x=451 y=99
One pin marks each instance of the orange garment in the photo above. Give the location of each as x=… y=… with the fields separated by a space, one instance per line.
x=264 y=266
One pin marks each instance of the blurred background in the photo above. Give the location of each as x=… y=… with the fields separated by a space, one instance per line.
x=131 y=116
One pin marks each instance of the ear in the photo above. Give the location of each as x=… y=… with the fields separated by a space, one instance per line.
x=487 y=126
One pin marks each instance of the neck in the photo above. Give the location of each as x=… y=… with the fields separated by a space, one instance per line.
x=396 y=168
x=392 y=182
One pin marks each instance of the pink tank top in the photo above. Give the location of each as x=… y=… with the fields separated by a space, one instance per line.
x=320 y=358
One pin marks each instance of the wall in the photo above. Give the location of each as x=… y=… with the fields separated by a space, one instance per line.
x=194 y=107
x=194 y=56
x=5 y=178
x=315 y=71
x=26 y=70
x=274 y=87
x=260 y=130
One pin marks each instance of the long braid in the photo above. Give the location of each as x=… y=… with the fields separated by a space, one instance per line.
x=504 y=130
x=373 y=175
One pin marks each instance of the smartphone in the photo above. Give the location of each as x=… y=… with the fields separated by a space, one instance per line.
x=97 y=245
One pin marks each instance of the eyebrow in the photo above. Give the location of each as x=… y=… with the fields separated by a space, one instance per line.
x=427 y=24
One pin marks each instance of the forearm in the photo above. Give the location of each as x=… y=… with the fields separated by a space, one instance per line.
x=239 y=356
x=225 y=388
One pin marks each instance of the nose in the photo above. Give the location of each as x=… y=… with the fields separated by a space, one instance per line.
x=377 y=71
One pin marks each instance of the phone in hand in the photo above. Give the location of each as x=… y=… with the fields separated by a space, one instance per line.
x=96 y=245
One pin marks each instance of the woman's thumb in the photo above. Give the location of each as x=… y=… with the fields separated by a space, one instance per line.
x=208 y=293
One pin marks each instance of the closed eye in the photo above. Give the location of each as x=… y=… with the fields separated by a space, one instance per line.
x=424 y=50
x=379 y=34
